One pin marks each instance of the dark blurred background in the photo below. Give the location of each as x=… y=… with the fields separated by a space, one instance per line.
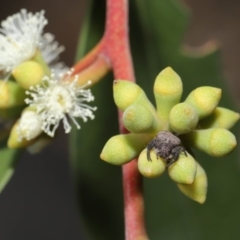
x=38 y=202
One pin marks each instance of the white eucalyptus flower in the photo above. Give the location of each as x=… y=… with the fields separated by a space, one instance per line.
x=58 y=99
x=20 y=36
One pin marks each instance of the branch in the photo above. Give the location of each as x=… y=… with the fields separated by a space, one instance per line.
x=118 y=50
x=113 y=51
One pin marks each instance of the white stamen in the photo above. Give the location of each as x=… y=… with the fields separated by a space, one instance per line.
x=51 y=50
x=57 y=99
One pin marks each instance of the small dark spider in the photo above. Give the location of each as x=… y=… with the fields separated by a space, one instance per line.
x=167 y=146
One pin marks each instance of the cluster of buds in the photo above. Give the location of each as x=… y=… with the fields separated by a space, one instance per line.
x=162 y=138
x=37 y=92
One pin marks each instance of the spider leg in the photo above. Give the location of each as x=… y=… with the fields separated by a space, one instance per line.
x=175 y=154
x=177 y=150
x=149 y=148
x=185 y=152
x=158 y=155
x=170 y=162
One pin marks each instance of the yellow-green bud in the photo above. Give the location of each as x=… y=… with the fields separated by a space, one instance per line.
x=204 y=99
x=221 y=117
x=28 y=74
x=216 y=142
x=13 y=140
x=39 y=59
x=183 y=118
x=184 y=170
x=197 y=191
x=126 y=93
x=168 y=91
x=26 y=129
x=123 y=148
x=11 y=94
x=139 y=119
x=151 y=169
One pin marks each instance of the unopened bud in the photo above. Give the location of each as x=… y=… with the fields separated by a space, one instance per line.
x=139 y=119
x=204 y=100
x=216 y=142
x=220 y=118
x=183 y=170
x=11 y=94
x=153 y=168
x=183 y=118
x=126 y=93
x=123 y=148
x=197 y=191
x=168 y=91
x=39 y=59
x=28 y=74
x=13 y=140
x=26 y=129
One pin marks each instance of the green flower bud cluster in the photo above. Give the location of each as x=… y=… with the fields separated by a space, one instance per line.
x=13 y=94
x=197 y=121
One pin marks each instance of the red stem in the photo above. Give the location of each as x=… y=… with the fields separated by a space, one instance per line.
x=117 y=49
x=114 y=51
x=116 y=37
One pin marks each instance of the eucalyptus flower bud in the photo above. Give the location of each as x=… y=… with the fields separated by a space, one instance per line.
x=183 y=118
x=39 y=58
x=28 y=74
x=139 y=119
x=126 y=93
x=216 y=142
x=220 y=118
x=204 y=100
x=198 y=189
x=153 y=168
x=11 y=94
x=168 y=91
x=123 y=148
x=13 y=140
x=25 y=130
x=184 y=170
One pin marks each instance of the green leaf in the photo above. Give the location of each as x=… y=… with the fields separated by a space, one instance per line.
x=156 y=31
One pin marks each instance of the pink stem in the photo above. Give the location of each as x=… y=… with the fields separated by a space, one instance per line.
x=118 y=50
x=115 y=52
x=88 y=59
x=116 y=37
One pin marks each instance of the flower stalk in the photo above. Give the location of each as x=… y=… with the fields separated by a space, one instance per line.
x=114 y=50
x=116 y=35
